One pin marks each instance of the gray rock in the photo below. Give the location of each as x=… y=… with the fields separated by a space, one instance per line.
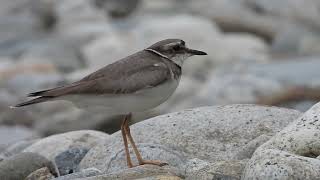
x=57 y=51
x=67 y=162
x=39 y=75
x=226 y=170
x=227 y=86
x=148 y=172
x=20 y=166
x=290 y=9
x=40 y=174
x=300 y=72
x=36 y=81
x=274 y=83
x=16 y=148
x=110 y=45
x=82 y=174
x=52 y=146
x=80 y=29
x=290 y=154
x=71 y=119
x=209 y=133
x=118 y=9
x=13 y=134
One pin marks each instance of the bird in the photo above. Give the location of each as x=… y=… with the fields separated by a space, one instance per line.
x=135 y=83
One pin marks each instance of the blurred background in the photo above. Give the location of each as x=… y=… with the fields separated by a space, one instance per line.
x=260 y=51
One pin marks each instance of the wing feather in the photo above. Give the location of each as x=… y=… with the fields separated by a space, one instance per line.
x=147 y=77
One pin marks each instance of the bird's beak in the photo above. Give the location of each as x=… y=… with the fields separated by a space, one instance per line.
x=196 y=52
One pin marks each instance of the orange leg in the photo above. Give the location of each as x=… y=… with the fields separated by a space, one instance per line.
x=124 y=137
x=134 y=147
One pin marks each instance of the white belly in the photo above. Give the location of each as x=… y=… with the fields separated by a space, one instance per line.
x=125 y=103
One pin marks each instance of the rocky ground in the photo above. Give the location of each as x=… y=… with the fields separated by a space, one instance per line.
x=263 y=52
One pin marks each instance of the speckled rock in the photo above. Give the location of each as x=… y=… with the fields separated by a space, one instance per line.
x=82 y=174
x=20 y=166
x=145 y=172
x=67 y=161
x=40 y=174
x=226 y=170
x=292 y=153
x=210 y=133
x=16 y=148
x=53 y=145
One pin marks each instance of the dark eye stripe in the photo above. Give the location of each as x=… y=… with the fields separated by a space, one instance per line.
x=177 y=47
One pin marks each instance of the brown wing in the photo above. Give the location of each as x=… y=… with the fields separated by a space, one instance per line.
x=146 y=77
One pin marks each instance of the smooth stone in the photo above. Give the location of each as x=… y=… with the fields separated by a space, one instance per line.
x=71 y=119
x=118 y=8
x=290 y=154
x=290 y=9
x=82 y=174
x=199 y=169
x=13 y=134
x=277 y=83
x=218 y=133
x=145 y=171
x=20 y=166
x=40 y=174
x=16 y=148
x=52 y=146
x=67 y=162
x=57 y=51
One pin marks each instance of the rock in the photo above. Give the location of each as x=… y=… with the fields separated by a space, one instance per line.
x=81 y=28
x=52 y=146
x=198 y=169
x=25 y=26
x=291 y=153
x=274 y=83
x=82 y=174
x=58 y=51
x=20 y=166
x=147 y=172
x=40 y=174
x=296 y=41
x=106 y=50
x=234 y=85
x=72 y=119
x=67 y=162
x=288 y=41
x=16 y=148
x=38 y=76
x=10 y=135
x=118 y=8
x=245 y=47
x=210 y=133
x=290 y=9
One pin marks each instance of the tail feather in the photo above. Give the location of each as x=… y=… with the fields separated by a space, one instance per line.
x=38 y=93
x=33 y=101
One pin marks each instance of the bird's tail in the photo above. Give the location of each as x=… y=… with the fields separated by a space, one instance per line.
x=33 y=101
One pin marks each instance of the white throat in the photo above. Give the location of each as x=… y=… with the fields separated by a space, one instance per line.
x=179 y=59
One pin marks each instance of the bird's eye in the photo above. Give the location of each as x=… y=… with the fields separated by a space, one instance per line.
x=176 y=48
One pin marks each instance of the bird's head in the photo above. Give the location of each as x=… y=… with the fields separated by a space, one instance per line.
x=174 y=50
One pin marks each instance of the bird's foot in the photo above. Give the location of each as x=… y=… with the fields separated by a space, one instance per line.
x=152 y=162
